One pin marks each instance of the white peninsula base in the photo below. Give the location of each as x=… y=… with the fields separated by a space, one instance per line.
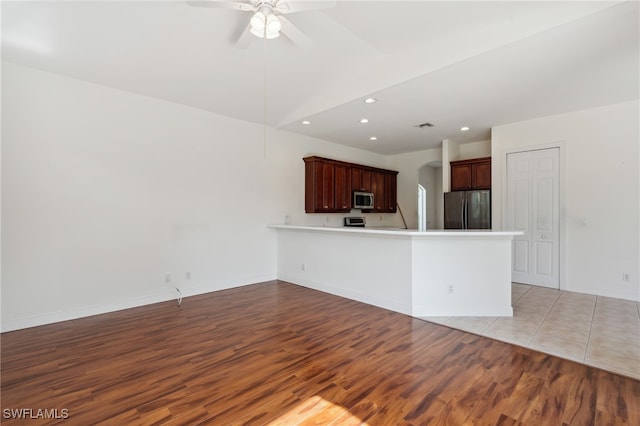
x=432 y=273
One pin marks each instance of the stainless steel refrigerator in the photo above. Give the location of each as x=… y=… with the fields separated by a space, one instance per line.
x=467 y=210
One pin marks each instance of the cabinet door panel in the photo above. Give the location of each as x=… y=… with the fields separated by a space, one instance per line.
x=378 y=189
x=326 y=185
x=360 y=179
x=356 y=179
x=460 y=177
x=482 y=175
x=365 y=180
x=342 y=188
x=390 y=193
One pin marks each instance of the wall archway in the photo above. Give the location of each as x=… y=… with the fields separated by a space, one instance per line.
x=430 y=177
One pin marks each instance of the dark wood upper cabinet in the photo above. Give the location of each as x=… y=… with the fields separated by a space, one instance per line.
x=329 y=186
x=482 y=175
x=378 y=189
x=460 y=177
x=342 y=188
x=391 y=192
x=319 y=186
x=471 y=174
x=360 y=179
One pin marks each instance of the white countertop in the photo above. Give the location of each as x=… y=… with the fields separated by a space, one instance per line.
x=464 y=233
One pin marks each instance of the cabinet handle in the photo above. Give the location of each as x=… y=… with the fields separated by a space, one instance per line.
x=326 y=207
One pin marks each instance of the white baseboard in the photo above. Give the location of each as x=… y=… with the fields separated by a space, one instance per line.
x=86 y=311
x=81 y=312
x=349 y=294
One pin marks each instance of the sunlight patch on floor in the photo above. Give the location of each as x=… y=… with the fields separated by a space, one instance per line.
x=318 y=411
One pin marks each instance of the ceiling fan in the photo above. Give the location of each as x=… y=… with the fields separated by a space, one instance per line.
x=267 y=20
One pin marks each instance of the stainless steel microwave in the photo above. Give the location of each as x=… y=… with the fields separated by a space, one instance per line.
x=362 y=200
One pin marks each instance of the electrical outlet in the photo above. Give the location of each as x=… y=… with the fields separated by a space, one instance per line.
x=167 y=278
x=187 y=276
x=625 y=277
x=302 y=267
x=450 y=289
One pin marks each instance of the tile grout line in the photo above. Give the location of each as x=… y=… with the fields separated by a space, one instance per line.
x=489 y=325
x=593 y=315
x=513 y=303
x=543 y=319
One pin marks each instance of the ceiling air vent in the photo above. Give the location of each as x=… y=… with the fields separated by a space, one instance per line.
x=427 y=124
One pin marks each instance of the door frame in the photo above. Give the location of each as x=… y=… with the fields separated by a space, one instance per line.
x=561 y=145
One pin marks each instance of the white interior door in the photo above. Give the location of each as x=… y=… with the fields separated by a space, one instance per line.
x=533 y=207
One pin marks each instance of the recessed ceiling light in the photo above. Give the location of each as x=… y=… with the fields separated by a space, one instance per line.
x=370 y=101
x=306 y=122
x=364 y=120
x=464 y=129
x=373 y=138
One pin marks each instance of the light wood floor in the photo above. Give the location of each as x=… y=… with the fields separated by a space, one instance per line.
x=275 y=353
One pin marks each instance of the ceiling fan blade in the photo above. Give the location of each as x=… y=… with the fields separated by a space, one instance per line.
x=294 y=34
x=223 y=4
x=245 y=38
x=284 y=6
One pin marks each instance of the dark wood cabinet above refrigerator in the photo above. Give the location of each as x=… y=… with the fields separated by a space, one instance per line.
x=471 y=174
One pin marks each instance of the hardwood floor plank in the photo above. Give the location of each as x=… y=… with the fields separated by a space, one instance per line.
x=613 y=402
x=275 y=353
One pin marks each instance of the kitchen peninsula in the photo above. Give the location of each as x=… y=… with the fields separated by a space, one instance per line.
x=430 y=273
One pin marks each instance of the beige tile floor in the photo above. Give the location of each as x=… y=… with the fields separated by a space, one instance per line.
x=599 y=331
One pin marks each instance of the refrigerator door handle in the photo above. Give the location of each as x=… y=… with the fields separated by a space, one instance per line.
x=466 y=214
x=462 y=211
x=465 y=210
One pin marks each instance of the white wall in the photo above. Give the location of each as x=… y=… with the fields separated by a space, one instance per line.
x=408 y=166
x=600 y=188
x=105 y=192
x=473 y=150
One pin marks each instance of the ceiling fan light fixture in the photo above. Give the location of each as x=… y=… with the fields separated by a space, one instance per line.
x=273 y=24
x=258 y=22
x=265 y=25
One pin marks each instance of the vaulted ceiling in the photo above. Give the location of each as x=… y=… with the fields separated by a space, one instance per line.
x=453 y=63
